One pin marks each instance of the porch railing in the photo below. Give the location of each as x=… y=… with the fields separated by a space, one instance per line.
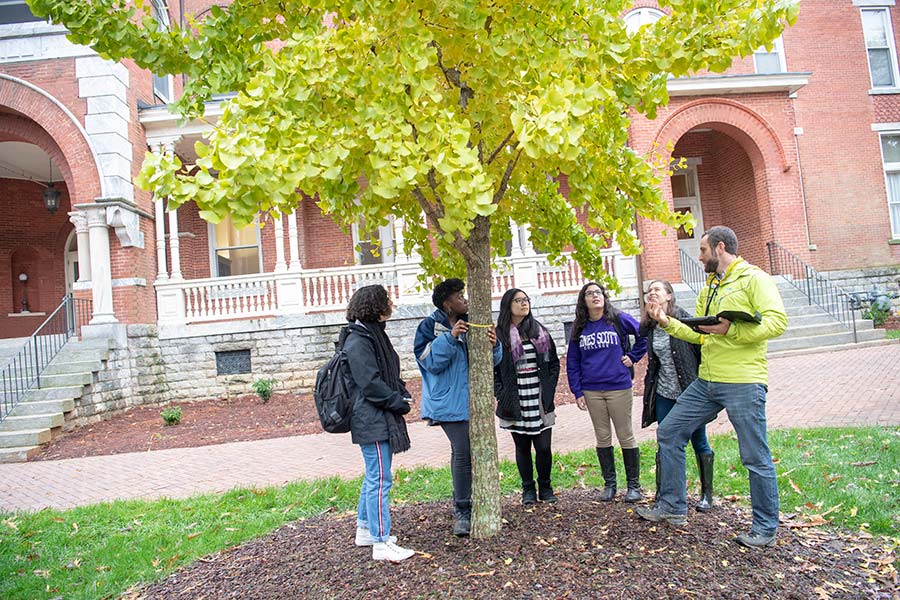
x=23 y=371
x=692 y=272
x=818 y=289
x=319 y=290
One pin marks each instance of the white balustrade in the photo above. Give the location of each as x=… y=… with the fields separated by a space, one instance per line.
x=318 y=290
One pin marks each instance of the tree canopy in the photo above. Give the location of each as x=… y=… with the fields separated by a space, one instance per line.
x=455 y=108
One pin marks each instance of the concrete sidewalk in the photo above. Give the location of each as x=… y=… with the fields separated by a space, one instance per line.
x=859 y=386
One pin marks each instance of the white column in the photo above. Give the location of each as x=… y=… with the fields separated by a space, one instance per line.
x=399 y=253
x=101 y=272
x=280 y=265
x=79 y=220
x=293 y=242
x=162 y=273
x=173 y=244
x=516 y=244
x=527 y=246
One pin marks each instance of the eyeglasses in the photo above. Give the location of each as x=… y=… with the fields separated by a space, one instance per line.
x=593 y=293
x=522 y=301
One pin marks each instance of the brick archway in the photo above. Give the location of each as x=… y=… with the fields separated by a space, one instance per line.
x=44 y=121
x=773 y=200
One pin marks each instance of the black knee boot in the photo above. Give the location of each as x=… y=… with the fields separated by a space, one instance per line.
x=705 y=465
x=632 y=459
x=529 y=495
x=608 y=469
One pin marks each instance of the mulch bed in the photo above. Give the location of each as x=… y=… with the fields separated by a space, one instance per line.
x=219 y=421
x=578 y=548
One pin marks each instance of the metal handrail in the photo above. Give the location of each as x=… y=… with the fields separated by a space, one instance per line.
x=816 y=287
x=23 y=372
x=692 y=272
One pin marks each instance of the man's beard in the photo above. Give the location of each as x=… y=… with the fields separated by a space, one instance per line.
x=712 y=265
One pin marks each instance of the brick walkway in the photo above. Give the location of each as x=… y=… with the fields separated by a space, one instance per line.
x=859 y=386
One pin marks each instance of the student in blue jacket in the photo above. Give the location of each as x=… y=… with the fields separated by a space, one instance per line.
x=443 y=359
x=598 y=364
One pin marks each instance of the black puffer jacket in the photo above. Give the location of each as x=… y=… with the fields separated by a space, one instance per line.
x=375 y=397
x=506 y=387
x=687 y=361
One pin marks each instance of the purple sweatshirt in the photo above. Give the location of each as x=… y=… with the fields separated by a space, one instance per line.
x=594 y=360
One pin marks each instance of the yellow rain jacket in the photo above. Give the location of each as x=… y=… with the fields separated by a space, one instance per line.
x=739 y=356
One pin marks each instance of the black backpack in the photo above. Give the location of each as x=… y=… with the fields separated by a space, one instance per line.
x=334 y=391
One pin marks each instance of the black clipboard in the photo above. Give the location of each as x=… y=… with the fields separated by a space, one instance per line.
x=731 y=315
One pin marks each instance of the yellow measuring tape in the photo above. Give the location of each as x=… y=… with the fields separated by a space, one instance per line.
x=479 y=324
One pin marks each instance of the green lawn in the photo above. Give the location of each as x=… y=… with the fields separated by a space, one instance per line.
x=848 y=477
x=893 y=334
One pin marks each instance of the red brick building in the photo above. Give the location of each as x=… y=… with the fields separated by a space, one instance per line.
x=799 y=145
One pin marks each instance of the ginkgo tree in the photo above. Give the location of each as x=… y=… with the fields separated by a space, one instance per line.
x=464 y=111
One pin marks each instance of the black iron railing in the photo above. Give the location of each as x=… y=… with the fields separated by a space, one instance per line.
x=692 y=272
x=23 y=371
x=818 y=289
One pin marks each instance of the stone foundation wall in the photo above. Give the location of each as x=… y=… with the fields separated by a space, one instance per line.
x=861 y=280
x=150 y=366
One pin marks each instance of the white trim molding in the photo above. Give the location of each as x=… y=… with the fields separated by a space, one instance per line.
x=885 y=126
x=869 y=3
x=717 y=85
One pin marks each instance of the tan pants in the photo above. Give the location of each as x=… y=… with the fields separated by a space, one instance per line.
x=615 y=406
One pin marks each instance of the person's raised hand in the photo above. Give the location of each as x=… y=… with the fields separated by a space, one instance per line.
x=459 y=327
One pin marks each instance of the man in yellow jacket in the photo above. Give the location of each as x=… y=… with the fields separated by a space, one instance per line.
x=733 y=375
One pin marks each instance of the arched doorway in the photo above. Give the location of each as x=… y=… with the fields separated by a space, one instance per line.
x=718 y=185
x=736 y=173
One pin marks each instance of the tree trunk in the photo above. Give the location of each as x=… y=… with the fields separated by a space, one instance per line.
x=486 y=517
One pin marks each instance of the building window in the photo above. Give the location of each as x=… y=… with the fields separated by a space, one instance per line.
x=770 y=61
x=640 y=17
x=890 y=155
x=162 y=84
x=373 y=247
x=16 y=11
x=234 y=251
x=879 y=36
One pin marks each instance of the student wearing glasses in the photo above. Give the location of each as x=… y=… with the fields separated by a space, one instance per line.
x=525 y=385
x=599 y=364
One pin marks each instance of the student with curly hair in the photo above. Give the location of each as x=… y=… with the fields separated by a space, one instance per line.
x=599 y=363
x=377 y=424
x=443 y=358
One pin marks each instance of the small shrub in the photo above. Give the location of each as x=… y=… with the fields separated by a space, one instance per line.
x=878 y=315
x=171 y=415
x=264 y=388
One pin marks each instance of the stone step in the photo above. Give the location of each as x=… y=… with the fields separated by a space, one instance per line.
x=17 y=422
x=40 y=407
x=69 y=379
x=25 y=437
x=55 y=393
x=795 y=331
x=817 y=341
x=81 y=366
x=17 y=453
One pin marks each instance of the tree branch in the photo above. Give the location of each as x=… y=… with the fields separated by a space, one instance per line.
x=504 y=182
x=453 y=77
x=500 y=147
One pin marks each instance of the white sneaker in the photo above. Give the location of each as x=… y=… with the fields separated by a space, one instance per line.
x=364 y=538
x=390 y=551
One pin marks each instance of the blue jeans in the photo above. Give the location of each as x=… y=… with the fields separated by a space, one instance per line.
x=373 y=512
x=698 y=439
x=696 y=406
